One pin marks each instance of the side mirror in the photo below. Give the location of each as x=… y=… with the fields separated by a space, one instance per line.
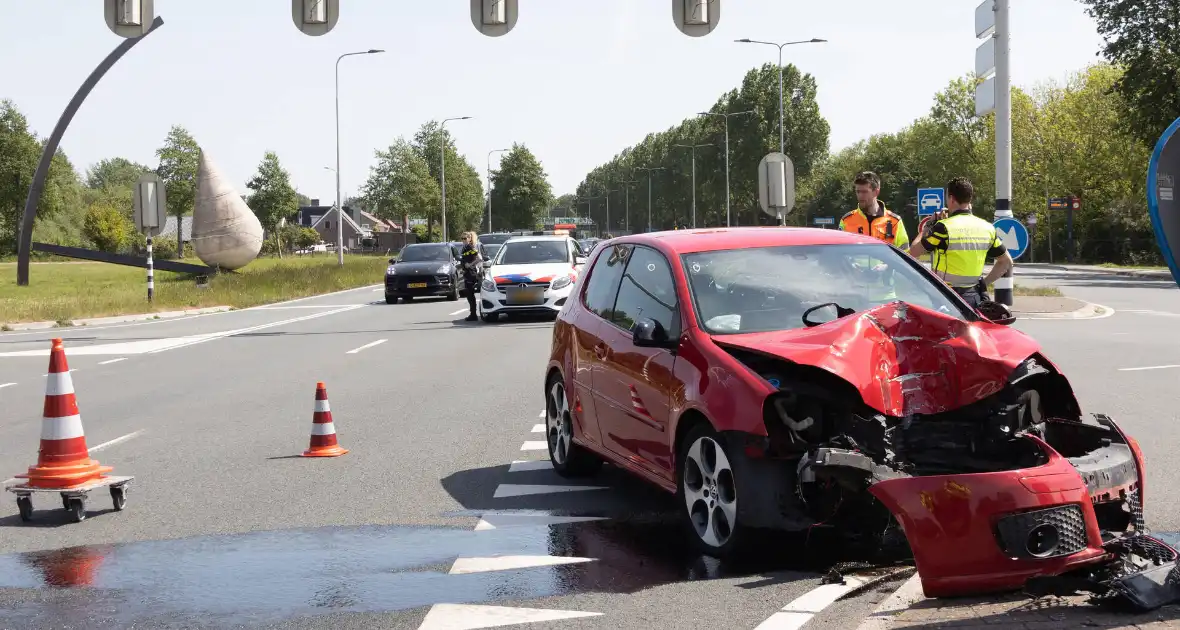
x=648 y=333
x=996 y=313
x=579 y=260
x=392 y=260
x=487 y=264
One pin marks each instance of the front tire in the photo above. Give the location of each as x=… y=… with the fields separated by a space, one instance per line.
x=568 y=459
x=490 y=318
x=453 y=296
x=708 y=490
x=390 y=300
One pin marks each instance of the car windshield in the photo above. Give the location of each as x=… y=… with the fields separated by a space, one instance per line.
x=531 y=252
x=426 y=253
x=492 y=249
x=770 y=288
x=493 y=239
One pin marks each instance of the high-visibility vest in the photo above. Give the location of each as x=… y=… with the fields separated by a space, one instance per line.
x=960 y=263
x=887 y=227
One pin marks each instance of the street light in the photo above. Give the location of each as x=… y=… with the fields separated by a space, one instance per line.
x=340 y=209
x=490 y=185
x=782 y=145
x=442 y=176
x=627 y=202
x=649 y=169
x=726 y=117
x=694 y=177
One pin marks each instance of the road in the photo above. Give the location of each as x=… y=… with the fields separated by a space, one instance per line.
x=428 y=520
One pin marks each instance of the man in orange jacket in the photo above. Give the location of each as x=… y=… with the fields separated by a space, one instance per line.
x=871 y=217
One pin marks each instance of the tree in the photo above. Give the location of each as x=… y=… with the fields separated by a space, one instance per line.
x=107 y=227
x=20 y=151
x=274 y=198
x=114 y=173
x=1141 y=36
x=401 y=185
x=179 y=158
x=464 y=188
x=306 y=238
x=520 y=193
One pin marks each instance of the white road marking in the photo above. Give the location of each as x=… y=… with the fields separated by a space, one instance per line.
x=366 y=346
x=289 y=308
x=1150 y=367
x=460 y=311
x=465 y=566
x=528 y=466
x=533 y=445
x=538 y=428
x=901 y=599
x=378 y=290
x=115 y=441
x=471 y=616
x=112 y=361
x=496 y=521
x=801 y=609
x=1151 y=312
x=263 y=326
x=506 y=490
x=3 y=385
x=542 y=414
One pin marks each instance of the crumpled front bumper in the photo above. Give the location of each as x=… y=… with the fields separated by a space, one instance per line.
x=986 y=532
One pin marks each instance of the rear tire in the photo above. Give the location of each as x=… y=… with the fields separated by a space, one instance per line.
x=390 y=300
x=708 y=492
x=568 y=459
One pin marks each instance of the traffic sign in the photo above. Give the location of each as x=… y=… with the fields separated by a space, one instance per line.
x=824 y=220
x=494 y=17
x=776 y=184
x=1014 y=235
x=931 y=200
x=150 y=205
x=315 y=17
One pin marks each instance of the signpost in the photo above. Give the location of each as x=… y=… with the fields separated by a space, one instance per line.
x=315 y=17
x=1070 y=204
x=696 y=18
x=931 y=200
x=1163 y=170
x=1013 y=234
x=776 y=185
x=494 y=17
x=150 y=213
x=824 y=221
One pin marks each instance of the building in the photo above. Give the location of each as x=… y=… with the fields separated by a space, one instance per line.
x=361 y=230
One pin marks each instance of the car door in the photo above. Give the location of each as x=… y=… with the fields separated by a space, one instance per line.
x=598 y=299
x=634 y=385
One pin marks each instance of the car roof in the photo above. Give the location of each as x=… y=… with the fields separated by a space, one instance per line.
x=427 y=245
x=542 y=237
x=714 y=239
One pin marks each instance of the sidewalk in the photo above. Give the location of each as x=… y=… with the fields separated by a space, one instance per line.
x=1052 y=307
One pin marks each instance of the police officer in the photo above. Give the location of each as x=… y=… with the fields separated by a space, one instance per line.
x=871 y=217
x=961 y=243
x=472 y=262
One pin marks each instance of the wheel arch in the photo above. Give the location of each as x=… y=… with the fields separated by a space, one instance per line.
x=689 y=419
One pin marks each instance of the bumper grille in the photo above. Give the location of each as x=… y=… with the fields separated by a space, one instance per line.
x=502 y=288
x=1048 y=533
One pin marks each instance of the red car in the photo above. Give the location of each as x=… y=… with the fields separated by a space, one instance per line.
x=780 y=378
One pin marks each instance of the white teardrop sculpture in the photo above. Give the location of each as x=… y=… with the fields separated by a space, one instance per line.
x=226 y=233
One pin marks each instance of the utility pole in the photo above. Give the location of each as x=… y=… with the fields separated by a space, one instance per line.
x=649 y=170
x=994 y=94
x=726 y=117
x=627 y=222
x=694 y=177
x=442 y=175
x=490 y=185
x=339 y=208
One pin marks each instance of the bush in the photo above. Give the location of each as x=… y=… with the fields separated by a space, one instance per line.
x=107 y=227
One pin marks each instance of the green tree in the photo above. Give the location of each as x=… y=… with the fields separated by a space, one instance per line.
x=400 y=185
x=20 y=150
x=107 y=227
x=520 y=193
x=274 y=199
x=179 y=158
x=464 y=188
x=1142 y=37
x=114 y=173
x=306 y=238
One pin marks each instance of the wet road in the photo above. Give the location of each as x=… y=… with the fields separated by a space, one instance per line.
x=443 y=514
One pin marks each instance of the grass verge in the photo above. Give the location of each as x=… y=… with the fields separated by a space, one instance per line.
x=1038 y=291
x=66 y=292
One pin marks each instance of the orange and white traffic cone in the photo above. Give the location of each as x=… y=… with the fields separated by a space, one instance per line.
x=63 y=461
x=323 y=430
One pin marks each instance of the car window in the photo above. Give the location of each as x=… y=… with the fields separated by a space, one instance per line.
x=647 y=290
x=494 y=239
x=533 y=252
x=769 y=288
x=603 y=285
x=425 y=253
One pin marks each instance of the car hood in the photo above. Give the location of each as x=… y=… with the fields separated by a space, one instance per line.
x=904 y=359
x=426 y=268
x=542 y=272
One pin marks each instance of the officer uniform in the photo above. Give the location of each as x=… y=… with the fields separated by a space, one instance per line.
x=472 y=262
x=960 y=245
x=886 y=227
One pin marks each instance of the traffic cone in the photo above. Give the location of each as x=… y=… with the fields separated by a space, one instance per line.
x=63 y=461
x=323 y=430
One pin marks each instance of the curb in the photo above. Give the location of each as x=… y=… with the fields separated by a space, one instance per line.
x=886 y=612
x=118 y=319
x=1157 y=274
x=1089 y=311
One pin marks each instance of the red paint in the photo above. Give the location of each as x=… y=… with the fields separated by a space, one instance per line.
x=949 y=519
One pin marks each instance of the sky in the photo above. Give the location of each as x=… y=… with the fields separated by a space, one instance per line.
x=575 y=81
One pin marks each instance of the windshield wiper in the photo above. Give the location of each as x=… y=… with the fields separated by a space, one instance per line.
x=840 y=312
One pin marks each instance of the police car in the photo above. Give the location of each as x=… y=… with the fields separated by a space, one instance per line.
x=531 y=274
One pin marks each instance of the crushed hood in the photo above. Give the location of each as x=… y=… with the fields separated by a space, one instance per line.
x=904 y=359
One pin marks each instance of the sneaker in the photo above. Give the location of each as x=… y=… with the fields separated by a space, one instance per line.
x=471 y=318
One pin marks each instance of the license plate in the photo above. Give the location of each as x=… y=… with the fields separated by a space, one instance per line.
x=416 y=285
x=526 y=296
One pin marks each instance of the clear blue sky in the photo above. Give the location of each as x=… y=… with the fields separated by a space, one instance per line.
x=575 y=81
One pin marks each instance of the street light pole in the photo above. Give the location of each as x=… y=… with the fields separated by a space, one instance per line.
x=627 y=198
x=694 y=177
x=726 y=117
x=782 y=145
x=442 y=175
x=339 y=207
x=649 y=169
x=490 y=185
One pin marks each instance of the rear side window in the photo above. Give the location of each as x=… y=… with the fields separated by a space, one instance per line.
x=647 y=290
x=603 y=284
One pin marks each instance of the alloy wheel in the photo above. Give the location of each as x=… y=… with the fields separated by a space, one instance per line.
x=710 y=492
x=558 y=424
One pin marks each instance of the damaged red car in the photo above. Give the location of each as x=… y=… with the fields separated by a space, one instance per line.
x=784 y=378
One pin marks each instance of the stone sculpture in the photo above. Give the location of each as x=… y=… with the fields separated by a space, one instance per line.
x=226 y=233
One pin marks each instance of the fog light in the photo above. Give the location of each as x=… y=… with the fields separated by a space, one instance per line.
x=1042 y=540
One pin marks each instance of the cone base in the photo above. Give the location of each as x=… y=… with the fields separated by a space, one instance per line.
x=325 y=451
x=65 y=477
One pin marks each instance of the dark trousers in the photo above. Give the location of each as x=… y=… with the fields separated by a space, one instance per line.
x=472 y=288
x=975 y=295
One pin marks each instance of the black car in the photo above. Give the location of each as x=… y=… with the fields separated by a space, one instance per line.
x=423 y=269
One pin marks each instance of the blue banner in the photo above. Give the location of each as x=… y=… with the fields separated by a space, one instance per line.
x=1163 y=172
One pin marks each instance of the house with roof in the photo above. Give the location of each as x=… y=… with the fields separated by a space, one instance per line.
x=361 y=230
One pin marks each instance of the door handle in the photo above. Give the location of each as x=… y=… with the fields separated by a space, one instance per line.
x=600 y=350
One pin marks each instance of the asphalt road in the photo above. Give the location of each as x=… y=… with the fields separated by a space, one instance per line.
x=426 y=521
